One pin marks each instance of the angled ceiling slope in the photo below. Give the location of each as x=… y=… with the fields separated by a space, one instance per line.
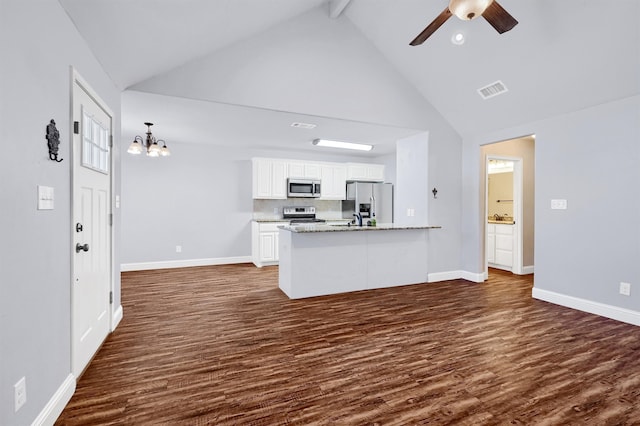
x=563 y=56
x=310 y=65
x=137 y=39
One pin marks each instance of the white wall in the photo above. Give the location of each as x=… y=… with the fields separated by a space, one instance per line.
x=38 y=44
x=426 y=161
x=199 y=198
x=590 y=158
x=309 y=65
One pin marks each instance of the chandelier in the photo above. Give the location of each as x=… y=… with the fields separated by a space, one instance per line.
x=150 y=143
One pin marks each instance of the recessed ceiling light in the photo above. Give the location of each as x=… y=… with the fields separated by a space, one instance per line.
x=344 y=145
x=304 y=125
x=457 y=39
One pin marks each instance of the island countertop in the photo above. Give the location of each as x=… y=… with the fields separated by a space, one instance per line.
x=315 y=227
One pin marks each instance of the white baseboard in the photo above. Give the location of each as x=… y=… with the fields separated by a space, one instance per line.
x=526 y=270
x=117 y=317
x=56 y=404
x=476 y=277
x=454 y=275
x=146 y=266
x=608 y=311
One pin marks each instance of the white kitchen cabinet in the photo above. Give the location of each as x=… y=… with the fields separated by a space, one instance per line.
x=500 y=246
x=303 y=169
x=365 y=172
x=491 y=243
x=264 y=243
x=334 y=181
x=269 y=178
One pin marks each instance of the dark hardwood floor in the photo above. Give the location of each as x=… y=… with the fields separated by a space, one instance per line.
x=223 y=345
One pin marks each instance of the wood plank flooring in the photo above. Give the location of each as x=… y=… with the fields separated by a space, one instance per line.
x=223 y=345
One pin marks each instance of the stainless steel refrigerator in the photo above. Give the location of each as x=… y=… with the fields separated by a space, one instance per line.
x=369 y=199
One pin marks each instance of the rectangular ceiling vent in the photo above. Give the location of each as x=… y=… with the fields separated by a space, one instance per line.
x=493 y=89
x=303 y=125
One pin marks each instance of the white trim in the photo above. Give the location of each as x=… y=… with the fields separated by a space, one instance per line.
x=116 y=318
x=169 y=264
x=518 y=199
x=476 y=277
x=608 y=311
x=56 y=404
x=455 y=275
x=526 y=270
x=79 y=83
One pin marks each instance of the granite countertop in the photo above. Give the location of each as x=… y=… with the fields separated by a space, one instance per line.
x=261 y=220
x=501 y=222
x=309 y=228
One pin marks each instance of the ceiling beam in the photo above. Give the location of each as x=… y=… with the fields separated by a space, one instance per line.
x=336 y=7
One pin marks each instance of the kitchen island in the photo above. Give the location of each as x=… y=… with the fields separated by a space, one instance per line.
x=317 y=260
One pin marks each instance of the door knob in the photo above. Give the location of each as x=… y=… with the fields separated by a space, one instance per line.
x=80 y=247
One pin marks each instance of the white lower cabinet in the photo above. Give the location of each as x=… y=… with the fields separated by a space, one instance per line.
x=500 y=246
x=264 y=243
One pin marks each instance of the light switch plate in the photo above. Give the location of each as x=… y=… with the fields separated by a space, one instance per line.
x=558 y=204
x=45 y=197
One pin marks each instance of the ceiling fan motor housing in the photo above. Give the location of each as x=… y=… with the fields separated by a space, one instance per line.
x=468 y=9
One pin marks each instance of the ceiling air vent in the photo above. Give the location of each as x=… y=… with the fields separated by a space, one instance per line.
x=493 y=89
x=303 y=125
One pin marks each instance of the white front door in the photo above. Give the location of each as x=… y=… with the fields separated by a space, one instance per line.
x=90 y=293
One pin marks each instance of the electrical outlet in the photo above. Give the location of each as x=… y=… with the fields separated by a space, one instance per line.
x=178 y=249
x=20 y=393
x=625 y=288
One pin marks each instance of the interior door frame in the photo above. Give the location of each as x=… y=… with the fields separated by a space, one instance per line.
x=518 y=189
x=77 y=79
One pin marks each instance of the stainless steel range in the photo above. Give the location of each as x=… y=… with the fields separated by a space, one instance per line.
x=305 y=214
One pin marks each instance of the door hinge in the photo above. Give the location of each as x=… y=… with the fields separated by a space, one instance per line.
x=110 y=219
x=111 y=298
x=110 y=141
x=76 y=127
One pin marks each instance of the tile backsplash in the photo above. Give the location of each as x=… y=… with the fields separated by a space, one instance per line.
x=272 y=209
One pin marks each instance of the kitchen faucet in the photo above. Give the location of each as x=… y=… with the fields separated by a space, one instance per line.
x=359 y=217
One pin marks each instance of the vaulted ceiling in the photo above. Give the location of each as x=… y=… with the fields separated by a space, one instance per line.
x=234 y=71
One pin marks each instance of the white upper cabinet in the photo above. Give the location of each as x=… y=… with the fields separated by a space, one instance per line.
x=334 y=181
x=303 y=169
x=365 y=172
x=269 y=178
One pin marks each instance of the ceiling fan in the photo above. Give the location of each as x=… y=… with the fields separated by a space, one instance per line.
x=466 y=10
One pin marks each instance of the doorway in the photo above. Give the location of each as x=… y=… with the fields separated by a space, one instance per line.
x=508 y=198
x=92 y=258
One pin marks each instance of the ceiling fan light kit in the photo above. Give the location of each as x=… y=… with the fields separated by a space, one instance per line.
x=466 y=10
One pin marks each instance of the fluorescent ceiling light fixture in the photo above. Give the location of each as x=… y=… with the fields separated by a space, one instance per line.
x=344 y=145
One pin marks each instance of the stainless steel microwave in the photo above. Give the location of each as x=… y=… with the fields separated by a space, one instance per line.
x=303 y=188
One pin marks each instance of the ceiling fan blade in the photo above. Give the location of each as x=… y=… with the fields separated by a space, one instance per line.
x=432 y=27
x=499 y=18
